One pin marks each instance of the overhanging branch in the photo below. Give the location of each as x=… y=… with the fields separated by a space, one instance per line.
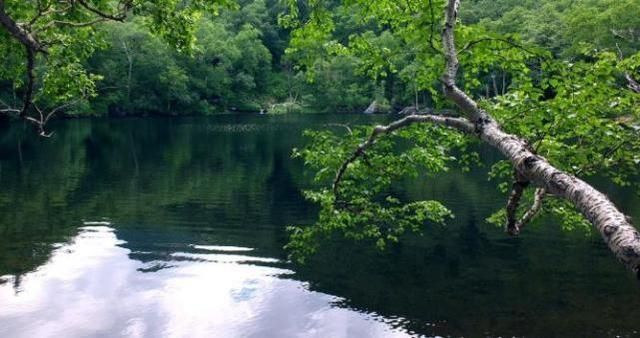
x=632 y=83
x=120 y=16
x=18 y=32
x=509 y=42
x=458 y=123
x=621 y=237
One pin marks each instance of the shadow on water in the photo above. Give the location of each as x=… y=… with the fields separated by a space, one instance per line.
x=182 y=220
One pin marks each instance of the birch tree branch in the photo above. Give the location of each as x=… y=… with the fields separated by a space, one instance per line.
x=618 y=233
x=519 y=185
x=533 y=211
x=632 y=84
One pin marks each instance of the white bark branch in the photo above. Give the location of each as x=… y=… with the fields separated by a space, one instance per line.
x=519 y=185
x=621 y=237
x=533 y=211
x=632 y=83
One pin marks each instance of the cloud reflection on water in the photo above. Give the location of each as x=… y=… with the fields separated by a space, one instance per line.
x=90 y=287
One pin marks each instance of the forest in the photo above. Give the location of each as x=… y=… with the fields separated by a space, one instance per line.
x=244 y=59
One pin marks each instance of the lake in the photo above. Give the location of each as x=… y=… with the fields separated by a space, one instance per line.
x=175 y=226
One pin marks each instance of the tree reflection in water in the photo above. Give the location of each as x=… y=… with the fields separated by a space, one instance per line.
x=188 y=197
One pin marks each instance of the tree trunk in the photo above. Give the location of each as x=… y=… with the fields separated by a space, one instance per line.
x=18 y=32
x=129 y=56
x=415 y=91
x=621 y=237
x=495 y=85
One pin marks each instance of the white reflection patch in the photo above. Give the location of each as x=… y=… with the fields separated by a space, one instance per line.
x=224 y=258
x=92 y=288
x=100 y=223
x=223 y=248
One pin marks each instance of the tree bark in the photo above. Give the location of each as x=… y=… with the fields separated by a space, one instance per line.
x=621 y=237
x=530 y=214
x=18 y=32
x=31 y=79
x=617 y=231
x=632 y=83
x=519 y=185
x=32 y=46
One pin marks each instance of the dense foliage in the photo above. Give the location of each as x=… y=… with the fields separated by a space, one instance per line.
x=231 y=56
x=562 y=83
x=227 y=57
x=561 y=75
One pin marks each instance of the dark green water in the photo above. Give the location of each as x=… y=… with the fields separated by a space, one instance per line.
x=174 y=227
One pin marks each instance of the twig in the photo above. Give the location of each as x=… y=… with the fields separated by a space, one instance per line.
x=458 y=123
x=519 y=184
x=511 y=43
x=345 y=126
x=533 y=211
x=115 y=17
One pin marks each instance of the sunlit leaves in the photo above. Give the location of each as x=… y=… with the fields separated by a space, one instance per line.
x=365 y=205
x=578 y=113
x=66 y=82
x=579 y=116
x=175 y=20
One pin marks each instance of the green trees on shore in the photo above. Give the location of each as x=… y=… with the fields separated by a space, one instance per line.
x=242 y=56
x=120 y=58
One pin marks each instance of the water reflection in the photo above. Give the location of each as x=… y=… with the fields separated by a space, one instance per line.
x=90 y=287
x=183 y=233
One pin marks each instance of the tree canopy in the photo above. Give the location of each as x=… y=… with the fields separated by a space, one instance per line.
x=556 y=111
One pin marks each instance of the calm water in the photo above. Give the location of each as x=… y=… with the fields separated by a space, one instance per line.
x=175 y=227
